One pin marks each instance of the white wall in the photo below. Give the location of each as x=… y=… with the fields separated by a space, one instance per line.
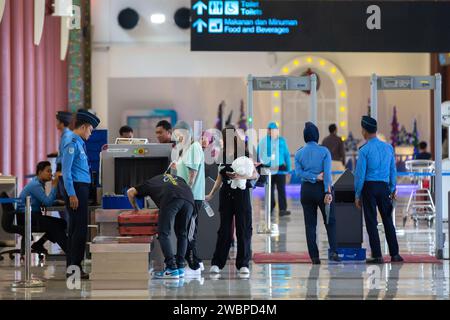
x=164 y=52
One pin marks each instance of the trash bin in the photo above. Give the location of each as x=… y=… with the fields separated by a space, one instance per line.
x=349 y=223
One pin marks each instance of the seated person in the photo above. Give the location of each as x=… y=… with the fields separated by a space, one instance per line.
x=174 y=198
x=423 y=154
x=54 y=228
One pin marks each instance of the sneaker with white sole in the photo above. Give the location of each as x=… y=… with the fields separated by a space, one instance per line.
x=193 y=273
x=244 y=270
x=181 y=272
x=214 y=269
x=167 y=274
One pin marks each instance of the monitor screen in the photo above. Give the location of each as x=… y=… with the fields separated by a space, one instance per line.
x=130 y=172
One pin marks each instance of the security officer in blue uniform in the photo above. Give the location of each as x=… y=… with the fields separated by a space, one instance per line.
x=63 y=119
x=375 y=184
x=313 y=166
x=77 y=179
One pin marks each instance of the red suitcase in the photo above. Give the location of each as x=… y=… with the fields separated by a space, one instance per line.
x=138 y=223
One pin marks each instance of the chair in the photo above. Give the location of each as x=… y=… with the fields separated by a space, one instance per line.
x=9 y=226
x=420 y=204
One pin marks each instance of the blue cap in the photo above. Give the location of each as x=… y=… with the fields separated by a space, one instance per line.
x=64 y=116
x=272 y=125
x=88 y=117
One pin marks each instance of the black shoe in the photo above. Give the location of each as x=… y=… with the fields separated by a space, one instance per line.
x=39 y=248
x=397 y=258
x=315 y=260
x=335 y=257
x=284 y=213
x=378 y=260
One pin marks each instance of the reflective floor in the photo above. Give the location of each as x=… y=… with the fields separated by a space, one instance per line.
x=266 y=281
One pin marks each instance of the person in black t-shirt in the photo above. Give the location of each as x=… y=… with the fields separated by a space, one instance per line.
x=423 y=154
x=175 y=201
x=233 y=203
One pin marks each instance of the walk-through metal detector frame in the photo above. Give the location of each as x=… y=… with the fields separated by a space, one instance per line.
x=278 y=83
x=419 y=83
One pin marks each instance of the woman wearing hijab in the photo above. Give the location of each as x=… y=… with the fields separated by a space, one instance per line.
x=313 y=167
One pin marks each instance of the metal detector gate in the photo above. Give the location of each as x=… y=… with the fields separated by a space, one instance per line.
x=419 y=83
x=278 y=83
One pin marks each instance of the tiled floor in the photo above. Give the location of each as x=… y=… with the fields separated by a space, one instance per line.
x=269 y=281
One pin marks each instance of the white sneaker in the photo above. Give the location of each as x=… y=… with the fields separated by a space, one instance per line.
x=244 y=270
x=214 y=269
x=192 y=273
x=244 y=275
x=202 y=266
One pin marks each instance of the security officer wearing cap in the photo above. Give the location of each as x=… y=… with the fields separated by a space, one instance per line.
x=63 y=120
x=77 y=179
x=375 y=184
x=273 y=151
x=313 y=166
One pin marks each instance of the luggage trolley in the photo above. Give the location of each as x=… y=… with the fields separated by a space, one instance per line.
x=420 y=204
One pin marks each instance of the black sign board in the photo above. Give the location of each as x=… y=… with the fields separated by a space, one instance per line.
x=341 y=26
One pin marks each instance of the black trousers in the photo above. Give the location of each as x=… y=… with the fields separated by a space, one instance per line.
x=312 y=196
x=176 y=214
x=54 y=229
x=192 y=245
x=279 y=181
x=234 y=203
x=78 y=225
x=377 y=194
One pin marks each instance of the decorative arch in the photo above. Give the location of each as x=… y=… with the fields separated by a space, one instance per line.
x=302 y=63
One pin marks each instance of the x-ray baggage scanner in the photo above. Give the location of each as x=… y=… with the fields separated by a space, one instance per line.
x=420 y=83
x=124 y=166
x=278 y=83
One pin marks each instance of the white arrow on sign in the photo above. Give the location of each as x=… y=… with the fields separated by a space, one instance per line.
x=200 y=24
x=200 y=6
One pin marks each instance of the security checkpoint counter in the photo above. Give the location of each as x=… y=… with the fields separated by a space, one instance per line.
x=124 y=260
x=106 y=220
x=108 y=231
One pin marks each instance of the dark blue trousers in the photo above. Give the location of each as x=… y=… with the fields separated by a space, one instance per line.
x=78 y=225
x=377 y=194
x=312 y=196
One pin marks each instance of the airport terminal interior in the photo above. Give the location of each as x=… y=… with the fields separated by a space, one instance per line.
x=224 y=150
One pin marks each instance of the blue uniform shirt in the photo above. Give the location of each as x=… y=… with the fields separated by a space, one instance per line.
x=275 y=153
x=376 y=162
x=75 y=165
x=36 y=189
x=66 y=137
x=310 y=161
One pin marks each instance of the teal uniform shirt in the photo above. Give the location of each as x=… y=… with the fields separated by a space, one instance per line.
x=275 y=153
